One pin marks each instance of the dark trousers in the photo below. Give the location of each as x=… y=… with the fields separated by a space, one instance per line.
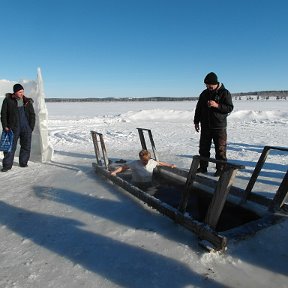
x=25 y=149
x=219 y=137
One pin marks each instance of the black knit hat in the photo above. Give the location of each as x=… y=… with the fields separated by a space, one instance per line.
x=17 y=87
x=211 y=78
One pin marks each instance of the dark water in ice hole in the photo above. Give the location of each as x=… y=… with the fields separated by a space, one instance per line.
x=198 y=204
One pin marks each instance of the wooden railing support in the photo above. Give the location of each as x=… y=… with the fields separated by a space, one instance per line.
x=98 y=138
x=143 y=141
x=189 y=184
x=221 y=192
x=256 y=172
x=281 y=195
x=220 y=195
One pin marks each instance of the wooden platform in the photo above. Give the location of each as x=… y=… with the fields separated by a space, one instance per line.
x=215 y=210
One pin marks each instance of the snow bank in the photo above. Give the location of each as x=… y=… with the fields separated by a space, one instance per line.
x=251 y=115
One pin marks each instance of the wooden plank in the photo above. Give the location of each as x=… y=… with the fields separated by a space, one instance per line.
x=176 y=171
x=212 y=160
x=189 y=184
x=256 y=172
x=235 y=191
x=142 y=138
x=250 y=228
x=219 y=198
x=153 y=145
x=238 y=192
x=96 y=147
x=104 y=151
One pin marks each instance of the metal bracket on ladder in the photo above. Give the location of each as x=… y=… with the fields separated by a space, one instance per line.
x=98 y=139
x=143 y=141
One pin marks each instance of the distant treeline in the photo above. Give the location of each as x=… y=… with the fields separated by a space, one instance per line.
x=246 y=95
x=122 y=99
x=263 y=93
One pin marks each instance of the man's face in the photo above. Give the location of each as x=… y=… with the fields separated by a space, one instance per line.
x=144 y=160
x=211 y=87
x=19 y=94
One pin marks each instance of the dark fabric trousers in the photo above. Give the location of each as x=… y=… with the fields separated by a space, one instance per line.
x=25 y=149
x=219 y=137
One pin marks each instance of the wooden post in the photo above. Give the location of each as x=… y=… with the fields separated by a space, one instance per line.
x=104 y=151
x=219 y=198
x=281 y=195
x=153 y=145
x=189 y=183
x=142 y=139
x=256 y=172
x=95 y=136
x=96 y=147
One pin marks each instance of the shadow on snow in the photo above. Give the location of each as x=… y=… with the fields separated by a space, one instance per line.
x=125 y=265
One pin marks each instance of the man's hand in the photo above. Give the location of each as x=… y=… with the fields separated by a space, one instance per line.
x=7 y=129
x=197 y=127
x=213 y=104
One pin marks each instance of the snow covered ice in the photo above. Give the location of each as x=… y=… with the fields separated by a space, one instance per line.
x=61 y=225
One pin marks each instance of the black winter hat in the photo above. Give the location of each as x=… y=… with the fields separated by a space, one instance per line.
x=211 y=78
x=17 y=87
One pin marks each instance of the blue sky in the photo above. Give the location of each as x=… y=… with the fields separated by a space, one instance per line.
x=133 y=48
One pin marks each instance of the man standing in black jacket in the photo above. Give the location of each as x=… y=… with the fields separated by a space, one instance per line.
x=17 y=114
x=213 y=107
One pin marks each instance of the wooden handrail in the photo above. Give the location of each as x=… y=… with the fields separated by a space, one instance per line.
x=143 y=141
x=281 y=194
x=98 y=138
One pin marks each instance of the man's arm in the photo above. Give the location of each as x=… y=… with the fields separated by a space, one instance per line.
x=226 y=106
x=197 y=115
x=4 y=115
x=166 y=164
x=119 y=170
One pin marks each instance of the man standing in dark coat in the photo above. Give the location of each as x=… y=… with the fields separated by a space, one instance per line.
x=213 y=107
x=17 y=114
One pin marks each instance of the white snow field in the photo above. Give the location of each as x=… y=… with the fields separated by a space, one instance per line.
x=61 y=225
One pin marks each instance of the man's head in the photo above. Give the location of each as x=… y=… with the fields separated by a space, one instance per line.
x=18 y=90
x=211 y=81
x=144 y=156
